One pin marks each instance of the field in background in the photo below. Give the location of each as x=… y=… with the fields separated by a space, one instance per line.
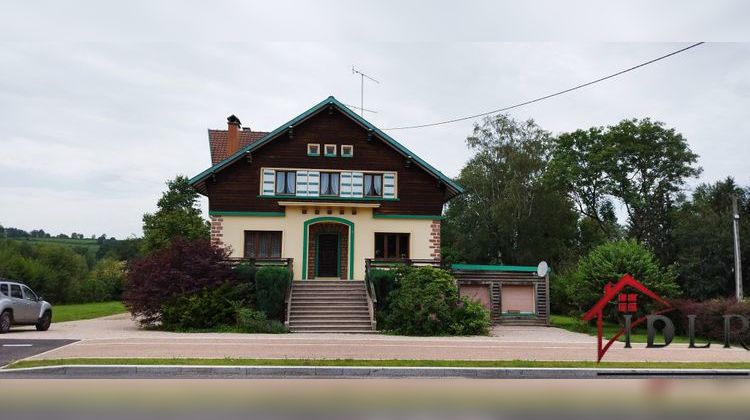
x=89 y=243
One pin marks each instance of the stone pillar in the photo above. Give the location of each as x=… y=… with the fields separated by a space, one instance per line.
x=435 y=240
x=217 y=230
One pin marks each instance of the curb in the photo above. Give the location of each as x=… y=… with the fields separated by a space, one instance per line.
x=259 y=372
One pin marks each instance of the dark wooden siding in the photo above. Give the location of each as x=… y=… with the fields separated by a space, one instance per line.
x=236 y=188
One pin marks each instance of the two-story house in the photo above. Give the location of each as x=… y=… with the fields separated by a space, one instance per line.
x=327 y=191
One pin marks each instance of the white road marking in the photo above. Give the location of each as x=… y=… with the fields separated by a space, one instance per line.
x=17 y=345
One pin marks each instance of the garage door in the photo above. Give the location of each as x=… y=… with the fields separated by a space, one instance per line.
x=477 y=292
x=517 y=299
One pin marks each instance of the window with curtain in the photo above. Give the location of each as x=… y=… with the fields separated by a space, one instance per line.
x=286 y=182
x=373 y=185
x=392 y=245
x=329 y=183
x=262 y=244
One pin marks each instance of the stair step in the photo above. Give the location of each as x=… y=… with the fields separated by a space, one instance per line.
x=343 y=317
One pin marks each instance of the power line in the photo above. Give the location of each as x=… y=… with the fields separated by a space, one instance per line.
x=407 y=127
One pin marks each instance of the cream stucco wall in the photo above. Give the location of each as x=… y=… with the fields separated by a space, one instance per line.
x=365 y=226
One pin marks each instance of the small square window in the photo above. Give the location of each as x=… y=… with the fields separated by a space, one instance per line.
x=313 y=149
x=329 y=150
x=347 y=150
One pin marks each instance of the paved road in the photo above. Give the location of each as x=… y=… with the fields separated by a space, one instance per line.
x=118 y=336
x=16 y=349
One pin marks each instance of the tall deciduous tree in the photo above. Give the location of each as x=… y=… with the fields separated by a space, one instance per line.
x=508 y=214
x=178 y=215
x=641 y=163
x=703 y=240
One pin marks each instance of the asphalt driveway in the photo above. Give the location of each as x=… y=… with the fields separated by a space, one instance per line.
x=17 y=349
x=118 y=336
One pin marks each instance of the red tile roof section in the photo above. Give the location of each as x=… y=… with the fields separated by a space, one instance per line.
x=217 y=141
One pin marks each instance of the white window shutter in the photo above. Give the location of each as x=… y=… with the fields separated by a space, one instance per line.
x=313 y=183
x=358 y=182
x=269 y=181
x=345 y=189
x=301 y=183
x=389 y=185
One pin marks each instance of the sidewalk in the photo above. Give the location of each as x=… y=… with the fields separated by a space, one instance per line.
x=118 y=337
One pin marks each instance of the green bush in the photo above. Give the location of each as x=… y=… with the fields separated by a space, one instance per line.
x=270 y=285
x=245 y=272
x=426 y=302
x=207 y=309
x=54 y=271
x=470 y=318
x=104 y=283
x=384 y=281
x=607 y=263
x=255 y=322
x=203 y=310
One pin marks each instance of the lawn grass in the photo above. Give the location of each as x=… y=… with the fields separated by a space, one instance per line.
x=62 y=313
x=608 y=329
x=381 y=363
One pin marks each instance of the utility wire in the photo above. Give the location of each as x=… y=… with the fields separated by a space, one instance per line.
x=408 y=127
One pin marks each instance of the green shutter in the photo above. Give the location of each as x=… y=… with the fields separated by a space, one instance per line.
x=302 y=183
x=313 y=183
x=389 y=185
x=269 y=181
x=358 y=184
x=345 y=189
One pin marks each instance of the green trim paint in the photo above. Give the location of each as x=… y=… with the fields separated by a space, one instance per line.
x=247 y=213
x=306 y=232
x=406 y=216
x=481 y=267
x=324 y=198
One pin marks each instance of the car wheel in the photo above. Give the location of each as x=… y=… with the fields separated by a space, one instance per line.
x=5 y=322
x=44 y=322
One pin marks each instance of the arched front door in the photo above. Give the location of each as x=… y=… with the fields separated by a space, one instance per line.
x=328 y=248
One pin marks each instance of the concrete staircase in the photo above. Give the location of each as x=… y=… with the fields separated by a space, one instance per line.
x=330 y=306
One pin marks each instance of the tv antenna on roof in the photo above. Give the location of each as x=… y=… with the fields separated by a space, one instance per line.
x=362 y=77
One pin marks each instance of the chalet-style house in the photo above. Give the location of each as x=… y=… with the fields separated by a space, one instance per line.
x=329 y=195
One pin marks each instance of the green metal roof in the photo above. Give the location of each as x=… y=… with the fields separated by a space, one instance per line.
x=482 y=267
x=330 y=101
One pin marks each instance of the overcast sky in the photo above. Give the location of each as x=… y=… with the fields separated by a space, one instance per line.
x=100 y=105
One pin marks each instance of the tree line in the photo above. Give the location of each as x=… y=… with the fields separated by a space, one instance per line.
x=533 y=196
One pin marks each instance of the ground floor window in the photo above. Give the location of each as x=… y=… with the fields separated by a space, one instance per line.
x=392 y=245
x=262 y=244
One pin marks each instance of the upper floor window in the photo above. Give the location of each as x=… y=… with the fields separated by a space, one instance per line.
x=347 y=150
x=286 y=182
x=313 y=149
x=373 y=185
x=329 y=150
x=329 y=183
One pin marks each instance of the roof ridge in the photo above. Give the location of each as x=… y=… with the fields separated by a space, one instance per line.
x=330 y=101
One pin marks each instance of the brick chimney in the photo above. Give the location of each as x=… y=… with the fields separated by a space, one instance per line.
x=233 y=135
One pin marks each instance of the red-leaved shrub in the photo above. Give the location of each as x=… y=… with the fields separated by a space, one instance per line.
x=183 y=268
x=709 y=321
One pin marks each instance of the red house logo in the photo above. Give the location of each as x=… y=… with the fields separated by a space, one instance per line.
x=627 y=303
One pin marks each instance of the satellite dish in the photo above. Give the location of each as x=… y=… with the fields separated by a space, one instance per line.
x=541 y=269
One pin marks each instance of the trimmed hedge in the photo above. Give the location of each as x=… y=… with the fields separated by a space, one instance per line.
x=270 y=285
x=708 y=321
